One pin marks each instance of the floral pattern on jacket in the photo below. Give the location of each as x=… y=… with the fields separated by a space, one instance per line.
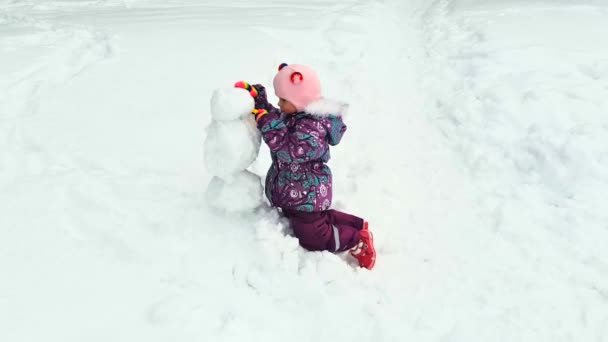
x=299 y=178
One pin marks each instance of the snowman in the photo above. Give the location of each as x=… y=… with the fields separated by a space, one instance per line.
x=231 y=146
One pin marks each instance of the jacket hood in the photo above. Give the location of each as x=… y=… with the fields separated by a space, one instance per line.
x=327 y=107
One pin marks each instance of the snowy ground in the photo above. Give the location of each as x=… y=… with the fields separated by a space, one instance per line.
x=477 y=148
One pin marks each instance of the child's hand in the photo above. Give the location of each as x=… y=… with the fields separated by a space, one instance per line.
x=258 y=113
x=261 y=100
x=258 y=92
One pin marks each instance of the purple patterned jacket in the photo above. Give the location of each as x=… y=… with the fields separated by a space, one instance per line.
x=299 y=178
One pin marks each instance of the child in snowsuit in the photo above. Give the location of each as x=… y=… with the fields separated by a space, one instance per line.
x=299 y=181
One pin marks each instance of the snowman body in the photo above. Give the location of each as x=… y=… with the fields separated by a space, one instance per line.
x=231 y=146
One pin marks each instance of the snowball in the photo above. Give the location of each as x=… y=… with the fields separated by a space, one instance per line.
x=242 y=193
x=252 y=127
x=231 y=146
x=231 y=104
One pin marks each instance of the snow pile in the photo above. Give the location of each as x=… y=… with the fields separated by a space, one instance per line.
x=229 y=104
x=239 y=194
x=232 y=144
x=520 y=94
x=476 y=148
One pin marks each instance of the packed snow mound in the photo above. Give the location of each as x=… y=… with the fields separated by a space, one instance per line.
x=231 y=146
x=230 y=104
x=243 y=193
x=476 y=149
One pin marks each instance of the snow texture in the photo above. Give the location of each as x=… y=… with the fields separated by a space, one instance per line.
x=240 y=195
x=231 y=104
x=476 y=148
x=231 y=146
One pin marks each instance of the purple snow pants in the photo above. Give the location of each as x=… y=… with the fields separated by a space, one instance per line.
x=328 y=230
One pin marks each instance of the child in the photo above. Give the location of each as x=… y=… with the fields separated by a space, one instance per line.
x=299 y=181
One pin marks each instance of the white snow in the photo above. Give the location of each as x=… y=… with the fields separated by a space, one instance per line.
x=231 y=146
x=477 y=148
x=241 y=194
x=231 y=104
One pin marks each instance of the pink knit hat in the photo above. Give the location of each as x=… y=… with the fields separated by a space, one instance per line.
x=297 y=84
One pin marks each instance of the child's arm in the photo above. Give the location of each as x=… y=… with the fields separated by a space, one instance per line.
x=335 y=129
x=258 y=92
x=304 y=144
